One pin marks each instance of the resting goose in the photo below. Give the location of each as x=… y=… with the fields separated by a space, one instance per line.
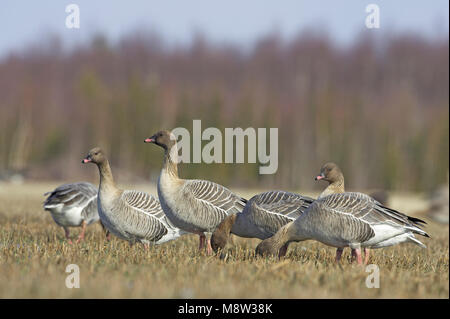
x=196 y=206
x=130 y=215
x=352 y=220
x=73 y=205
x=263 y=215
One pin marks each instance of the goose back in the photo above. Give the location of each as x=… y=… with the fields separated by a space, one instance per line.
x=266 y=213
x=199 y=205
x=70 y=204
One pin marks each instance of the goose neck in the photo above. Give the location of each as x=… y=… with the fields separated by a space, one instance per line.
x=336 y=187
x=106 y=177
x=170 y=166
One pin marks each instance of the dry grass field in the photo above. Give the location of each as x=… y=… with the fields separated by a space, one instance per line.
x=34 y=256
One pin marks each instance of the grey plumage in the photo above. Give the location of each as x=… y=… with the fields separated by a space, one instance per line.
x=198 y=205
x=267 y=212
x=263 y=215
x=130 y=215
x=355 y=219
x=70 y=204
x=137 y=217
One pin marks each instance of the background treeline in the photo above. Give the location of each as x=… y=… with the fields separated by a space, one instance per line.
x=378 y=107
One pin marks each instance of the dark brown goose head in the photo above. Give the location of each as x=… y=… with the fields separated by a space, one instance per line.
x=164 y=138
x=331 y=173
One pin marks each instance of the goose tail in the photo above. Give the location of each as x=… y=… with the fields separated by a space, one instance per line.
x=416 y=241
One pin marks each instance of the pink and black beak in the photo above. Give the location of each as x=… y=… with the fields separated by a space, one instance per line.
x=150 y=139
x=319 y=177
x=88 y=159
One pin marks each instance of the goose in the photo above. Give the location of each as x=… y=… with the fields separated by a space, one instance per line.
x=348 y=219
x=331 y=173
x=128 y=214
x=196 y=206
x=73 y=205
x=263 y=215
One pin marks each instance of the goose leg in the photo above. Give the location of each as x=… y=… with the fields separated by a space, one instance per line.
x=83 y=230
x=358 y=255
x=366 y=257
x=339 y=254
x=209 y=249
x=67 y=234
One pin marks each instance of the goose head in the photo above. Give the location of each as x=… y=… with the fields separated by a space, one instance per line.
x=95 y=156
x=330 y=172
x=267 y=247
x=220 y=236
x=165 y=139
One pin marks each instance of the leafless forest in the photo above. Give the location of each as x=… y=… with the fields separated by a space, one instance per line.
x=378 y=107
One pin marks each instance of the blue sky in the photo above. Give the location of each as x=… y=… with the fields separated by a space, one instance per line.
x=24 y=22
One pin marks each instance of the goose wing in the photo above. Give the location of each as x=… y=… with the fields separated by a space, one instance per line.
x=71 y=195
x=144 y=215
x=355 y=214
x=271 y=210
x=213 y=201
x=284 y=204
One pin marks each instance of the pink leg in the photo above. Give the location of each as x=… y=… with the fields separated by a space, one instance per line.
x=358 y=255
x=339 y=254
x=366 y=257
x=67 y=234
x=83 y=230
x=208 y=247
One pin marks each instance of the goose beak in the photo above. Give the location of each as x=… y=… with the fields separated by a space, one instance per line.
x=149 y=140
x=86 y=160
x=319 y=177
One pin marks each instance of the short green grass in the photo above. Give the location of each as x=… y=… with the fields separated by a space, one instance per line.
x=34 y=256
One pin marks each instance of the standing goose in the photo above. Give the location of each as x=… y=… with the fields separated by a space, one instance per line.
x=130 y=215
x=263 y=215
x=331 y=173
x=73 y=205
x=352 y=220
x=196 y=206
